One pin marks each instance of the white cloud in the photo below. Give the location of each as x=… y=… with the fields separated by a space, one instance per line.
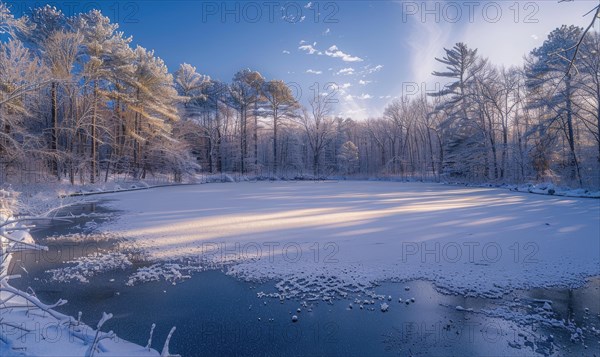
x=312 y=71
x=363 y=96
x=327 y=32
x=286 y=52
x=310 y=49
x=346 y=71
x=361 y=82
x=375 y=69
x=308 y=6
x=345 y=86
x=335 y=52
x=355 y=111
x=356 y=107
x=359 y=108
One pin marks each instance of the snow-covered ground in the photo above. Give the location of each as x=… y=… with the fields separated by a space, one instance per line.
x=30 y=331
x=327 y=239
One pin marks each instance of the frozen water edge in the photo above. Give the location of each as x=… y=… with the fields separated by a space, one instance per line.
x=30 y=327
x=331 y=239
x=88 y=266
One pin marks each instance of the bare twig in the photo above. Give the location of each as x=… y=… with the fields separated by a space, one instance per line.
x=578 y=45
x=165 y=351
x=100 y=335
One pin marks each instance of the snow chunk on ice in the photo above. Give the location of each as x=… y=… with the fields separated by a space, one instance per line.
x=87 y=267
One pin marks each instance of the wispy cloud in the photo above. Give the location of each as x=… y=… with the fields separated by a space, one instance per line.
x=370 y=69
x=335 y=52
x=363 y=96
x=345 y=71
x=285 y=52
x=363 y=83
x=308 y=48
x=312 y=71
x=293 y=18
x=425 y=42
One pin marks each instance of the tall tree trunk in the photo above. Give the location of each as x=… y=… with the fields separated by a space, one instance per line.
x=210 y=154
x=441 y=167
x=82 y=154
x=255 y=135
x=54 y=135
x=108 y=164
x=598 y=116
x=94 y=153
x=219 y=138
x=275 y=158
x=494 y=155
x=136 y=144
x=575 y=174
x=504 y=150
x=431 y=152
x=219 y=154
x=73 y=138
x=243 y=147
x=521 y=155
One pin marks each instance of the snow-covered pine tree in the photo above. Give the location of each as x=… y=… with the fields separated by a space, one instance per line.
x=462 y=144
x=155 y=109
x=552 y=87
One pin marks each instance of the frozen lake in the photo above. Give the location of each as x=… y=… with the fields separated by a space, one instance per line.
x=323 y=246
x=471 y=241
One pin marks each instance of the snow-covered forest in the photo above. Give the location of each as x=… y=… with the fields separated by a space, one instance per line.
x=79 y=103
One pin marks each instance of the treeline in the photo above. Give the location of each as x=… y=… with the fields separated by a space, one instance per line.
x=79 y=103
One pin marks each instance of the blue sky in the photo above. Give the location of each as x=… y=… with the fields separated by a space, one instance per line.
x=372 y=50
